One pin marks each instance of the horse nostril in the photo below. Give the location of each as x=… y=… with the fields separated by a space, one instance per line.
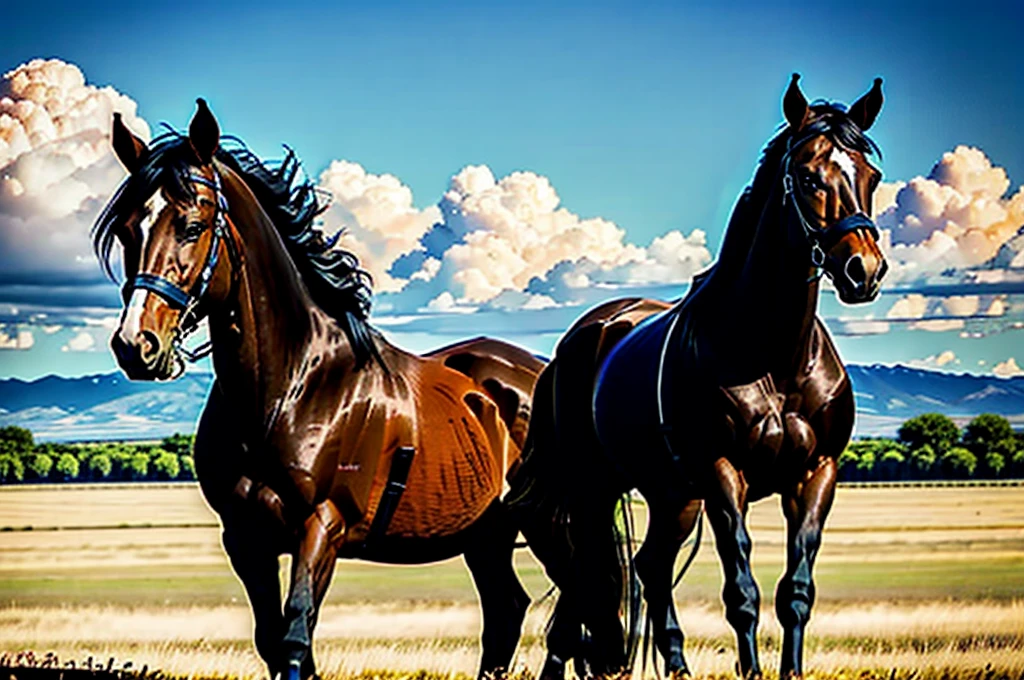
x=149 y=346
x=855 y=271
x=120 y=347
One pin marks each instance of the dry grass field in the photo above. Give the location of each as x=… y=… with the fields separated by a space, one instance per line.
x=924 y=580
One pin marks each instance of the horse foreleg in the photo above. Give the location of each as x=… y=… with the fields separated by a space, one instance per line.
x=805 y=508
x=257 y=567
x=726 y=509
x=312 y=568
x=502 y=597
x=654 y=562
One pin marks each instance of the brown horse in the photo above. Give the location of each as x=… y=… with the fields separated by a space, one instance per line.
x=733 y=394
x=319 y=439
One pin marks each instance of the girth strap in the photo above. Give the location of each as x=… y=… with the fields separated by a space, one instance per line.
x=401 y=462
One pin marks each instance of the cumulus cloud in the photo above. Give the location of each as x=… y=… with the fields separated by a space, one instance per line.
x=16 y=339
x=513 y=230
x=939 y=360
x=56 y=169
x=1008 y=368
x=958 y=216
x=81 y=342
x=504 y=242
x=378 y=220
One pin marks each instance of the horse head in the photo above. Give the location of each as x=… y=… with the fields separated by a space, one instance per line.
x=828 y=182
x=180 y=257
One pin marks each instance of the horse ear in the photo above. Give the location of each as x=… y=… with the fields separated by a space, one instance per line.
x=865 y=110
x=204 y=133
x=128 y=148
x=794 y=104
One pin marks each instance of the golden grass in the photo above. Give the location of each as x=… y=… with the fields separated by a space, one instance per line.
x=214 y=641
x=925 y=580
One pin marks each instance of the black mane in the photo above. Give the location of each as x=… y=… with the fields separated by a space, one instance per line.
x=333 y=277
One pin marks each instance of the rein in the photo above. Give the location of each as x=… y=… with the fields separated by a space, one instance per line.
x=189 y=300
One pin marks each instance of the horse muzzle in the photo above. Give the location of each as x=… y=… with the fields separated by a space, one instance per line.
x=857 y=277
x=144 y=356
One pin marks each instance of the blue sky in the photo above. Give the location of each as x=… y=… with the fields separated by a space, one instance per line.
x=650 y=117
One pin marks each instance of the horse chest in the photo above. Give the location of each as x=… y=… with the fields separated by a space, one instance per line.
x=763 y=427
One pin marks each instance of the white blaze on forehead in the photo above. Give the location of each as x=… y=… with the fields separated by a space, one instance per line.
x=846 y=164
x=154 y=206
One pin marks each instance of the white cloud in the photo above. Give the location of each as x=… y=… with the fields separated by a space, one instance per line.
x=56 y=167
x=937 y=325
x=512 y=230
x=491 y=241
x=912 y=306
x=939 y=360
x=863 y=327
x=81 y=342
x=377 y=215
x=17 y=339
x=1008 y=368
x=445 y=303
x=957 y=216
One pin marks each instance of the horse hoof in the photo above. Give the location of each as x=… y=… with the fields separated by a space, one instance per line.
x=680 y=674
x=294 y=671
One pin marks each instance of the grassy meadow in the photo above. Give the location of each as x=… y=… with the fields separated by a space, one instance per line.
x=916 y=579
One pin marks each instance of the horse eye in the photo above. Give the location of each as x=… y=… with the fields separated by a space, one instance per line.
x=193 y=231
x=812 y=182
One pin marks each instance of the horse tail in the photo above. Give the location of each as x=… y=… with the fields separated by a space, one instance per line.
x=537 y=497
x=632 y=600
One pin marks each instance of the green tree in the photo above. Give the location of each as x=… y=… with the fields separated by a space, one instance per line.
x=180 y=444
x=991 y=439
x=959 y=463
x=11 y=468
x=67 y=466
x=165 y=464
x=188 y=467
x=138 y=466
x=982 y=433
x=100 y=466
x=1017 y=463
x=932 y=429
x=40 y=465
x=16 y=440
x=892 y=464
x=922 y=460
x=994 y=462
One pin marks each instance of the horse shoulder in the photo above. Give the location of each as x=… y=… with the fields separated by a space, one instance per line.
x=824 y=393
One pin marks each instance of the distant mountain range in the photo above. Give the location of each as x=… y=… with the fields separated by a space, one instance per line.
x=112 y=407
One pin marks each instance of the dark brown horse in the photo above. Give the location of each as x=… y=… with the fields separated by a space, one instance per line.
x=319 y=439
x=733 y=394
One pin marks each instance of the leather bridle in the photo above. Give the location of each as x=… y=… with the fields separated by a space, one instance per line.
x=188 y=301
x=822 y=239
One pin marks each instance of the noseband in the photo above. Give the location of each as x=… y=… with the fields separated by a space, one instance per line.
x=822 y=240
x=188 y=300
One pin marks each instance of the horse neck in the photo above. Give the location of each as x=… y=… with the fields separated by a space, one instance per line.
x=261 y=334
x=773 y=293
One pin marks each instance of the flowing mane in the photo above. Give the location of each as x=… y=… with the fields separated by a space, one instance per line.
x=332 y=276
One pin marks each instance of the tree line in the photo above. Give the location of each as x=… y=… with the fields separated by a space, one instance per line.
x=929 y=446
x=22 y=459
x=932 y=446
